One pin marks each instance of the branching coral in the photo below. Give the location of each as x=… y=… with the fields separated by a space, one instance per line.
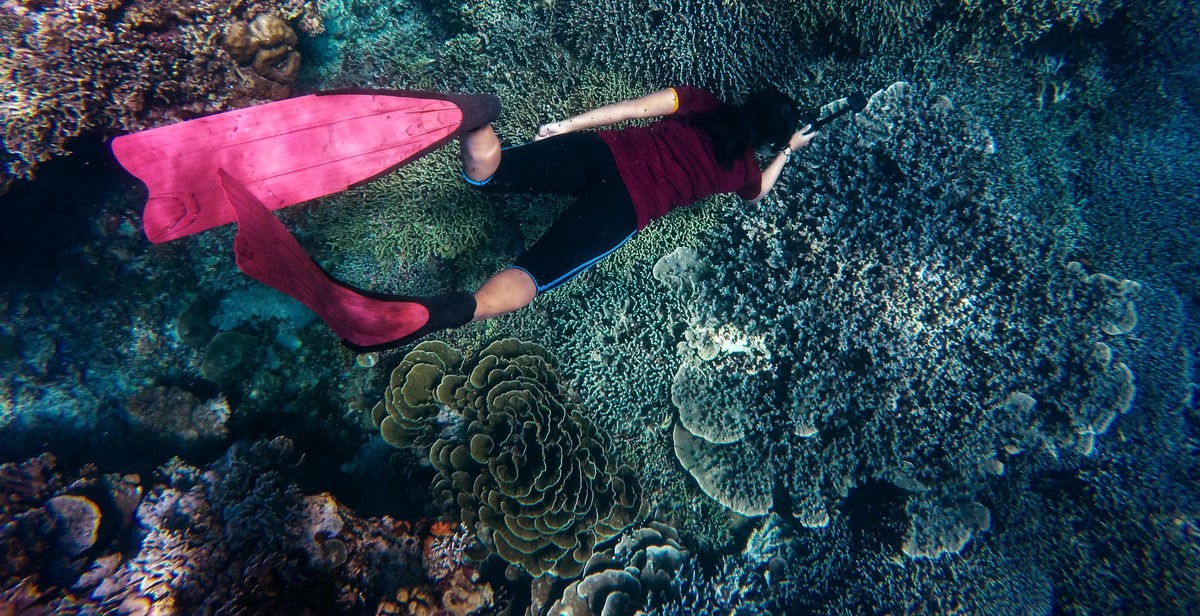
x=1026 y=20
x=530 y=474
x=70 y=67
x=889 y=320
x=727 y=46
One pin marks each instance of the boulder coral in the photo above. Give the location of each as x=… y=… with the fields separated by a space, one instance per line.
x=266 y=46
x=530 y=474
x=886 y=318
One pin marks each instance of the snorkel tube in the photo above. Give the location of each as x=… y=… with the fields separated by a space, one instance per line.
x=856 y=102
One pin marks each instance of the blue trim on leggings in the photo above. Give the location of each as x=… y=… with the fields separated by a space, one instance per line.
x=571 y=274
x=473 y=182
x=489 y=178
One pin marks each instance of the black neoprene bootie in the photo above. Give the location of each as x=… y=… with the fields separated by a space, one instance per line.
x=445 y=311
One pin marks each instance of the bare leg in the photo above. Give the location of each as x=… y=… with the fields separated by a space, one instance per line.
x=510 y=289
x=480 y=153
x=507 y=291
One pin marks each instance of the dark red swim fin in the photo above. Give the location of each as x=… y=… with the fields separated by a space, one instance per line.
x=365 y=321
x=289 y=151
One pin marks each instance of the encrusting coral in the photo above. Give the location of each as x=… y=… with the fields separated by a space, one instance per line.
x=921 y=341
x=529 y=472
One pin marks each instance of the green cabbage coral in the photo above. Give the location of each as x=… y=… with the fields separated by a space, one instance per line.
x=532 y=476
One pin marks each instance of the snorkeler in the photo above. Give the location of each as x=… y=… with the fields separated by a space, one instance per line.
x=242 y=164
x=623 y=179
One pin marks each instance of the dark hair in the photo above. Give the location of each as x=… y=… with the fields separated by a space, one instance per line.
x=767 y=117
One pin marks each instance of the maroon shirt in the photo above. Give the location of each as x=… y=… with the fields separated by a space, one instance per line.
x=670 y=163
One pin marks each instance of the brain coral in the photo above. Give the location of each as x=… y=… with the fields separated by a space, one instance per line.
x=530 y=473
x=886 y=318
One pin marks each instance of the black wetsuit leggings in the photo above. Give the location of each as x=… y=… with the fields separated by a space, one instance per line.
x=599 y=221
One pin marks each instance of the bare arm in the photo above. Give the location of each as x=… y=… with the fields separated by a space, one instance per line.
x=661 y=103
x=770 y=175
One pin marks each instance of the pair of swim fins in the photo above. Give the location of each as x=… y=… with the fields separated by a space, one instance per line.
x=240 y=165
x=288 y=151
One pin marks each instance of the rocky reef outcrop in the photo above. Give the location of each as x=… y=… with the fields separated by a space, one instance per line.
x=237 y=536
x=73 y=67
x=886 y=318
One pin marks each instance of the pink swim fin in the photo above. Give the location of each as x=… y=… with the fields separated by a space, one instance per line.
x=365 y=321
x=288 y=151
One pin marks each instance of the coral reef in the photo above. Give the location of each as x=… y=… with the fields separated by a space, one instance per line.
x=107 y=66
x=424 y=229
x=838 y=343
x=730 y=47
x=235 y=537
x=624 y=578
x=1027 y=21
x=842 y=569
x=177 y=413
x=731 y=587
x=529 y=473
x=649 y=571
x=266 y=46
x=733 y=47
x=1093 y=140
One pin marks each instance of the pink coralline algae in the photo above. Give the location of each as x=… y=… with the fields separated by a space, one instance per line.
x=236 y=537
x=71 y=67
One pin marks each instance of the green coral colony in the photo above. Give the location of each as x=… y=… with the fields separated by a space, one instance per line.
x=531 y=475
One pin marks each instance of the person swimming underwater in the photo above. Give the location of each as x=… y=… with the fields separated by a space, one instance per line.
x=624 y=179
x=241 y=164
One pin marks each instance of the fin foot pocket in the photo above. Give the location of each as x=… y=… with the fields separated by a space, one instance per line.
x=364 y=320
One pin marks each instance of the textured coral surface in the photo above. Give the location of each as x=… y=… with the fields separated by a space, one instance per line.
x=81 y=66
x=948 y=366
x=235 y=537
x=853 y=343
x=530 y=474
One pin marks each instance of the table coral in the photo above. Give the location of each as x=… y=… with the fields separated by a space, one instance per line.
x=886 y=318
x=529 y=472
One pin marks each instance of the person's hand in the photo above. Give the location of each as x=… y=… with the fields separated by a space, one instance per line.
x=801 y=138
x=551 y=129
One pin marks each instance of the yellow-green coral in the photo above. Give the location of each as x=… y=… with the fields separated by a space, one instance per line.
x=532 y=476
